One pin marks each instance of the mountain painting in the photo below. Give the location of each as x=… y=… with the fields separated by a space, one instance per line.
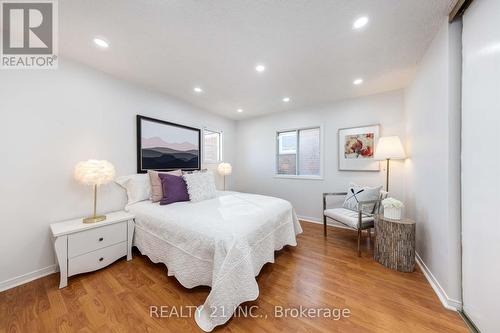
x=166 y=146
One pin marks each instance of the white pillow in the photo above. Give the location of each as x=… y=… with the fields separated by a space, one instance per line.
x=357 y=193
x=138 y=187
x=200 y=185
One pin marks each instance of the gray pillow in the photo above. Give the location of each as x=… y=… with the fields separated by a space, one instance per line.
x=357 y=193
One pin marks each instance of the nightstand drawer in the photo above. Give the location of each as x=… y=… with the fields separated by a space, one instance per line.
x=97 y=259
x=98 y=238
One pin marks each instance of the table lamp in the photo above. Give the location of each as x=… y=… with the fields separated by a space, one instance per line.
x=389 y=148
x=224 y=170
x=94 y=172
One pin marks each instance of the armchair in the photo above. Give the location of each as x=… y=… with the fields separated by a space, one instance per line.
x=358 y=219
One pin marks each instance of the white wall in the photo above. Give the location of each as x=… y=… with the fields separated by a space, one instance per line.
x=256 y=139
x=480 y=181
x=50 y=120
x=432 y=107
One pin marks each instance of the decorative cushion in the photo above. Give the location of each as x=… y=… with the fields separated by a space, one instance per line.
x=137 y=186
x=348 y=217
x=357 y=193
x=200 y=185
x=174 y=189
x=156 y=187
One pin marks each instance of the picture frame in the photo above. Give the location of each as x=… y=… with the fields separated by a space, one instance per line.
x=166 y=146
x=356 y=148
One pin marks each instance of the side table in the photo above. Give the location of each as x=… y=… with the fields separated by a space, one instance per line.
x=85 y=247
x=395 y=243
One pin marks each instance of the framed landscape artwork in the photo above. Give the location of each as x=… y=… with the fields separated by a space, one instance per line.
x=357 y=148
x=165 y=146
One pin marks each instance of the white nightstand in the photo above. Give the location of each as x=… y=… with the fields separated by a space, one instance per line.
x=84 y=248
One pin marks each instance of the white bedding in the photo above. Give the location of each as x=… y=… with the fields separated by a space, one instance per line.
x=221 y=242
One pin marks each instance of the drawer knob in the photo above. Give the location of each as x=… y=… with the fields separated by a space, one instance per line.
x=101 y=239
x=101 y=259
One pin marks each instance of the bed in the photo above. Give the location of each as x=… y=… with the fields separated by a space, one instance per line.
x=222 y=243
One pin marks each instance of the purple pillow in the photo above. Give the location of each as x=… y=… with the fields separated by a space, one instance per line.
x=174 y=189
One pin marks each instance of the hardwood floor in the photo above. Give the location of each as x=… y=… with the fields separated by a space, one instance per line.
x=319 y=273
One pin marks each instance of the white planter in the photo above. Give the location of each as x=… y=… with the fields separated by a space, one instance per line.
x=393 y=213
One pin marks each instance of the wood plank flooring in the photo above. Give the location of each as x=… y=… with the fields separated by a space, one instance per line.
x=319 y=273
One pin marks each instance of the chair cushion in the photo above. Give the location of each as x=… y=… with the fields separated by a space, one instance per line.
x=348 y=217
x=357 y=193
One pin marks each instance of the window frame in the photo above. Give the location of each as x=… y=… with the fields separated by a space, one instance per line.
x=321 y=153
x=281 y=150
x=221 y=145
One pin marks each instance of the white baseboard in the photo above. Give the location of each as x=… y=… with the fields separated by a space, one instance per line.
x=25 y=278
x=318 y=221
x=309 y=219
x=449 y=303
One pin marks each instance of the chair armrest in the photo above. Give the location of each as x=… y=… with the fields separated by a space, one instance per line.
x=360 y=210
x=367 y=202
x=328 y=194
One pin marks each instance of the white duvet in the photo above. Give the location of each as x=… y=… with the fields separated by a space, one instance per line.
x=221 y=242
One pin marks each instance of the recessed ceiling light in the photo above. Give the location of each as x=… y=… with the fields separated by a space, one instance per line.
x=101 y=43
x=239 y=110
x=260 y=68
x=360 y=22
x=286 y=99
x=197 y=90
x=357 y=82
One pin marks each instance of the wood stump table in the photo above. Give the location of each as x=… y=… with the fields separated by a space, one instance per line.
x=395 y=243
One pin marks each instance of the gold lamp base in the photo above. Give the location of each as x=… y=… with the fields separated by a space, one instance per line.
x=94 y=219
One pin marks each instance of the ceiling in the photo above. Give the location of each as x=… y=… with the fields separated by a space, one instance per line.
x=309 y=48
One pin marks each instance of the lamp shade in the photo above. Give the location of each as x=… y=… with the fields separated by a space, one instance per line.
x=94 y=172
x=389 y=147
x=224 y=169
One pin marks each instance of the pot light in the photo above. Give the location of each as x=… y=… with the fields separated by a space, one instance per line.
x=357 y=82
x=239 y=110
x=360 y=22
x=260 y=68
x=286 y=99
x=101 y=43
x=197 y=90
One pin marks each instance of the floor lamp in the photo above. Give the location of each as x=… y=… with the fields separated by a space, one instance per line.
x=225 y=169
x=389 y=148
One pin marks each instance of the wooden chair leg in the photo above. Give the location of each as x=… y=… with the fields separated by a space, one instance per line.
x=324 y=225
x=359 y=243
x=370 y=236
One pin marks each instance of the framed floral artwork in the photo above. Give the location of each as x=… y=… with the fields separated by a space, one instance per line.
x=357 y=148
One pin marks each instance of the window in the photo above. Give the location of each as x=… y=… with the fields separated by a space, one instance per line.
x=212 y=146
x=298 y=152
